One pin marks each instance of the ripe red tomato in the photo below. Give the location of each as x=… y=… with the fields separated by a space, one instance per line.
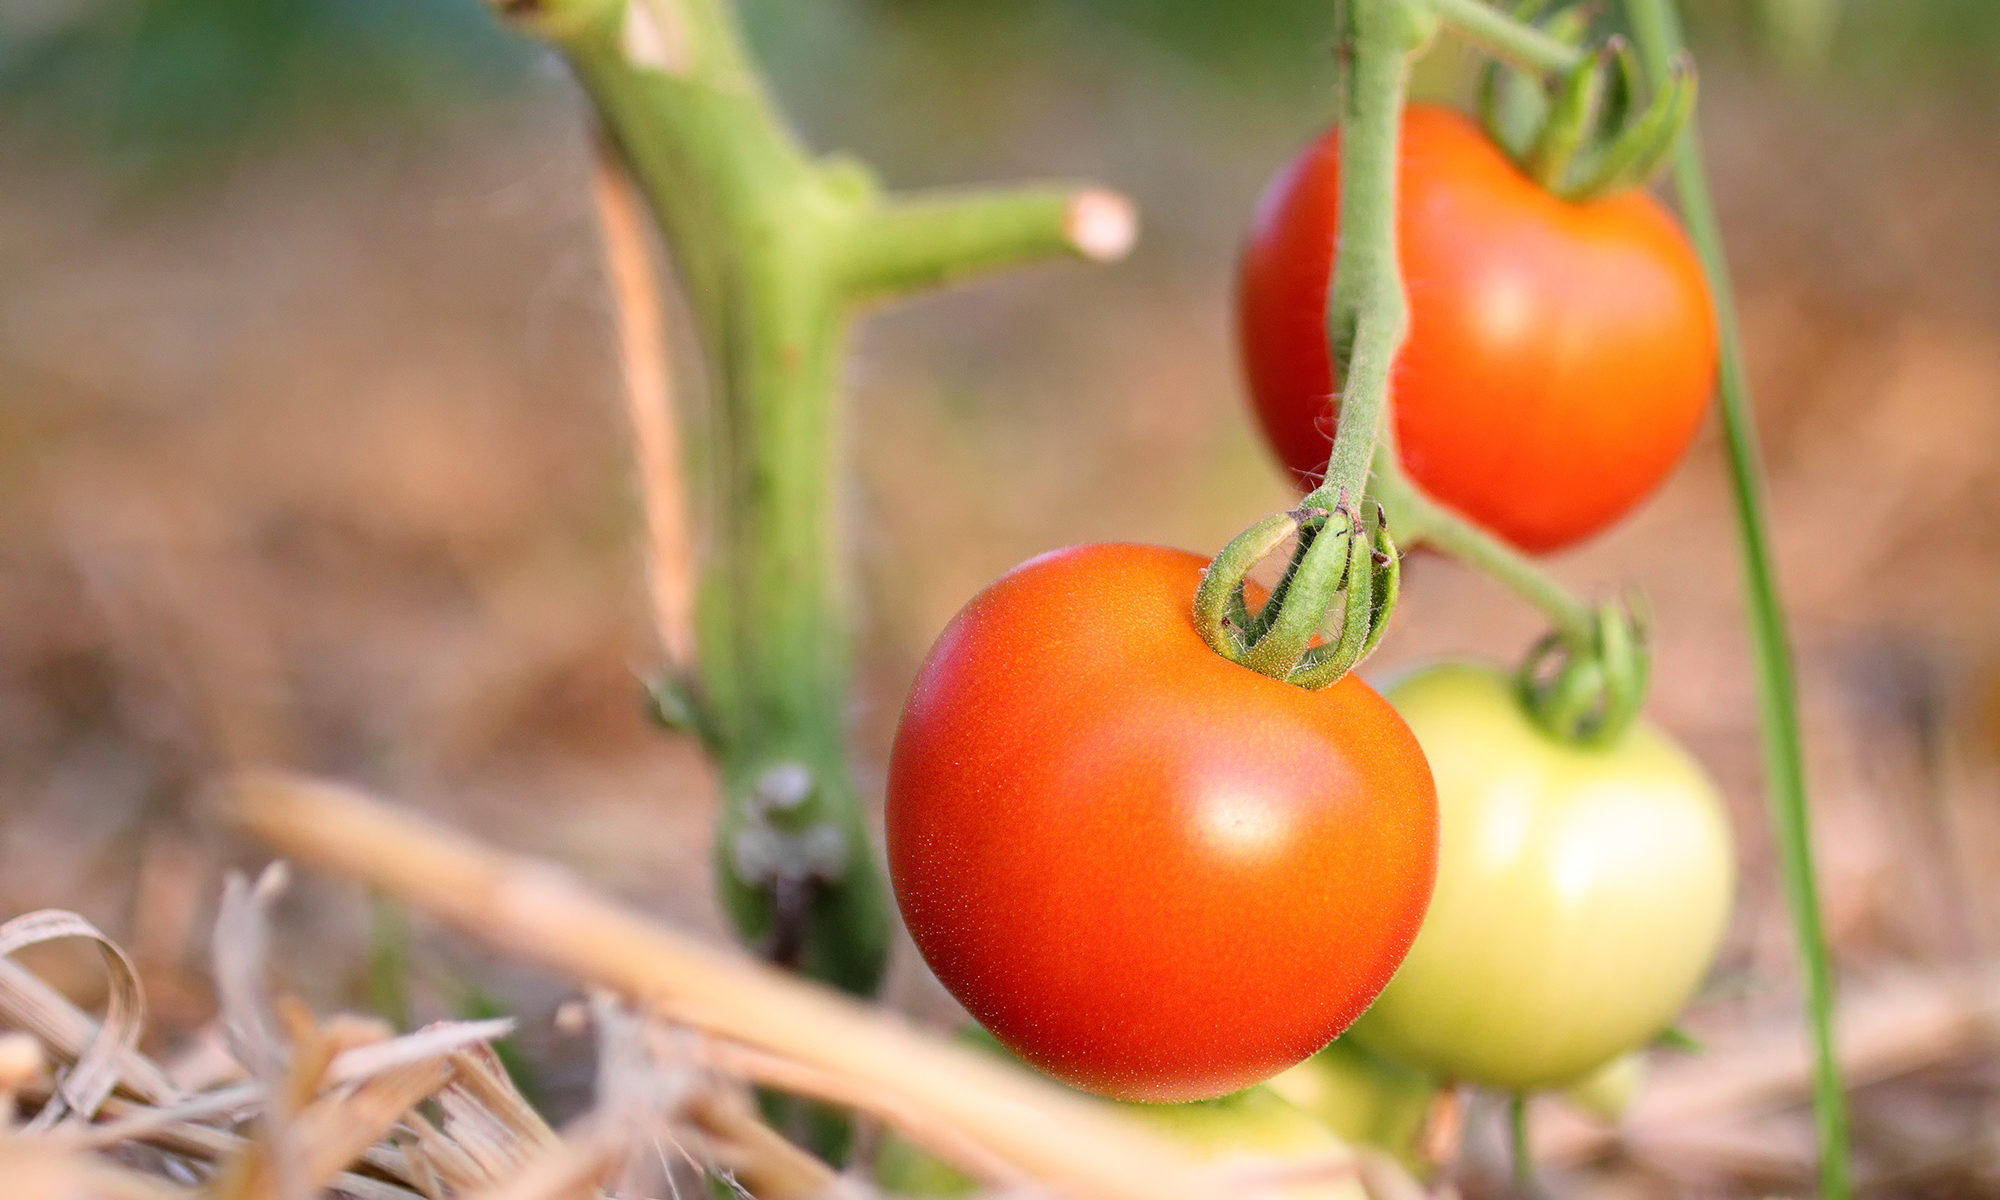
x=1149 y=871
x=1560 y=356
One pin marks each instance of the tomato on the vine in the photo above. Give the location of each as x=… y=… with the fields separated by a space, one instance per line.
x=1560 y=355
x=1149 y=871
x=1582 y=893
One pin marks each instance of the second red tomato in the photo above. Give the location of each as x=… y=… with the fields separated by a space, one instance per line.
x=1560 y=357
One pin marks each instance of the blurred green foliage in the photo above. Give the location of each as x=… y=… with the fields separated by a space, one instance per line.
x=175 y=85
x=178 y=84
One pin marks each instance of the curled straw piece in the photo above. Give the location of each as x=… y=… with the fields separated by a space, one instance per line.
x=104 y=1055
x=352 y=1105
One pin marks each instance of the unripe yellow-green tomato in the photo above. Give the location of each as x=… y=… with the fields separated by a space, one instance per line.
x=1252 y=1124
x=904 y=1168
x=1255 y=1123
x=1362 y=1097
x=1609 y=1090
x=1582 y=893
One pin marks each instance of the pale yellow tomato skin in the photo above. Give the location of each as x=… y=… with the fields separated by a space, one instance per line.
x=1252 y=1127
x=1362 y=1097
x=1609 y=1090
x=1582 y=893
x=1259 y=1125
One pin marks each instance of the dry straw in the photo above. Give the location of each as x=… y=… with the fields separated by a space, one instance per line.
x=306 y=1107
x=279 y=1103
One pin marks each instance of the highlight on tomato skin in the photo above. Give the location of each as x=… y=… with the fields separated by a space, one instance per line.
x=1148 y=871
x=1561 y=356
x=1583 y=893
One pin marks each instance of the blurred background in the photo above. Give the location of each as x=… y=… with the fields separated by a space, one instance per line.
x=312 y=451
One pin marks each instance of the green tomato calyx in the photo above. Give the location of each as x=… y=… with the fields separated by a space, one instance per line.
x=1589 y=130
x=1589 y=693
x=1342 y=559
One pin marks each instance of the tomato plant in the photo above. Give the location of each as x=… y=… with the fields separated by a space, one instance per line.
x=1149 y=871
x=1582 y=893
x=1149 y=864
x=1560 y=355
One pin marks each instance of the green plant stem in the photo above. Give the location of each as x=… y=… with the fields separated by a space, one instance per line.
x=1368 y=312
x=389 y=962
x=775 y=250
x=1366 y=321
x=932 y=240
x=1519 y=43
x=1417 y=519
x=1523 y=1149
x=1656 y=29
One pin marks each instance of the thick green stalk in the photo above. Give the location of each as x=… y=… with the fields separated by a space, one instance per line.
x=749 y=219
x=1656 y=28
x=775 y=250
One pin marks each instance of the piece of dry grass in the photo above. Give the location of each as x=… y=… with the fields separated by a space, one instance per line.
x=331 y=1106
x=99 y=1057
x=302 y=1106
x=636 y=310
x=35 y=1171
x=1700 y=1120
x=1891 y=1029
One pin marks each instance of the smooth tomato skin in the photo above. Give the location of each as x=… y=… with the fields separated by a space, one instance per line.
x=1609 y=1090
x=1363 y=1098
x=1148 y=871
x=1256 y=1124
x=1560 y=356
x=1582 y=893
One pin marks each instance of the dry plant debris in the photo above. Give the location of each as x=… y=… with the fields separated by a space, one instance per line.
x=770 y=1027
x=305 y=1106
x=275 y=1101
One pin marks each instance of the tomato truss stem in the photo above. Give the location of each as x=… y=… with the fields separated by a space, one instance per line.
x=1367 y=322
x=1501 y=35
x=1418 y=519
x=776 y=250
x=1656 y=29
x=1342 y=555
x=1368 y=310
x=1602 y=670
